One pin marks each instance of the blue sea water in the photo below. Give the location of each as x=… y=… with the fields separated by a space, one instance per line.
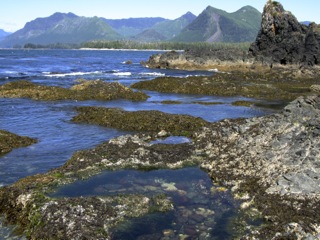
x=49 y=122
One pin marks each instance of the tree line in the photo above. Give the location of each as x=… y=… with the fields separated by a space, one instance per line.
x=126 y=44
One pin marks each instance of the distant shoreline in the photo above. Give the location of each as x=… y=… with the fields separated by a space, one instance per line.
x=95 y=49
x=128 y=49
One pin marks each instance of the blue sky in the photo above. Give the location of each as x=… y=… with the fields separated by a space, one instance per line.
x=15 y=13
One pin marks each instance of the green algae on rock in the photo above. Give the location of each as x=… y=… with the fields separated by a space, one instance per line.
x=270 y=162
x=149 y=121
x=86 y=90
x=268 y=85
x=41 y=217
x=26 y=203
x=129 y=152
x=9 y=141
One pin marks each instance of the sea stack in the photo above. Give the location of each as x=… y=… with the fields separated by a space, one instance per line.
x=283 y=40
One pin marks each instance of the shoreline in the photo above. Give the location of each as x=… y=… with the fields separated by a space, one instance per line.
x=247 y=156
x=93 y=49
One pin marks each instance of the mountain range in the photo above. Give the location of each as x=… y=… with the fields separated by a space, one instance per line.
x=215 y=25
x=212 y=25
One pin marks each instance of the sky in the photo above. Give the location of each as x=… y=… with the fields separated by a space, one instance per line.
x=14 y=14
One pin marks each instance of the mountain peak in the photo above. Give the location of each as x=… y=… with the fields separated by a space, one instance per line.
x=189 y=16
x=61 y=15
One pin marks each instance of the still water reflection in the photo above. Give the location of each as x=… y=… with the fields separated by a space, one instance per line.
x=201 y=210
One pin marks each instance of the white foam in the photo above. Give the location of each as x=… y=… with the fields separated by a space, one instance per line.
x=10 y=72
x=153 y=74
x=122 y=74
x=69 y=74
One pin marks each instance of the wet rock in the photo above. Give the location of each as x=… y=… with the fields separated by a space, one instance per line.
x=298 y=183
x=315 y=88
x=86 y=90
x=190 y=230
x=269 y=157
x=162 y=133
x=150 y=121
x=276 y=84
x=169 y=186
x=197 y=218
x=41 y=217
x=168 y=232
x=271 y=161
x=9 y=141
x=199 y=59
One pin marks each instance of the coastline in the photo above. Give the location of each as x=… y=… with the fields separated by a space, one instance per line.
x=134 y=50
x=269 y=163
x=257 y=158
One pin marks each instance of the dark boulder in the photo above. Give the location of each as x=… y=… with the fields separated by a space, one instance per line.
x=283 y=40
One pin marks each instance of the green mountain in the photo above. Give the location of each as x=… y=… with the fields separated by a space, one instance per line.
x=171 y=28
x=149 y=35
x=165 y=30
x=130 y=27
x=212 y=25
x=61 y=28
x=215 y=25
x=150 y=29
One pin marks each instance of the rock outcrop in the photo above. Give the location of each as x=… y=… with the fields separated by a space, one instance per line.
x=147 y=121
x=199 y=59
x=9 y=141
x=283 y=40
x=274 y=159
x=85 y=90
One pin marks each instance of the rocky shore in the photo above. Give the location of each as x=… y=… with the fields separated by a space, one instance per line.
x=85 y=90
x=9 y=141
x=140 y=121
x=273 y=162
x=270 y=163
x=272 y=85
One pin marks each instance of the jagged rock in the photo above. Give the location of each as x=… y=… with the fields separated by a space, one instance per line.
x=283 y=40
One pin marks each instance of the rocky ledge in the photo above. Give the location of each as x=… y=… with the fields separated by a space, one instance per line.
x=276 y=84
x=138 y=121
x=85 y=90
x=271 y=163
x=9 y=141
